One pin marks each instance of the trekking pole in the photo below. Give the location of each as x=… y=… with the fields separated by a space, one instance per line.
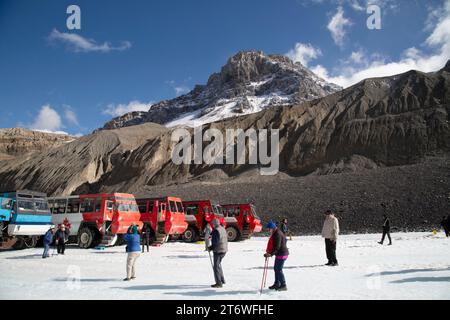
x=264 y=275
x=210 y=259
x=267 y=269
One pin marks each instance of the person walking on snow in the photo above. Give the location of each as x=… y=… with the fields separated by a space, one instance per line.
x=48 y=239
x=445 y=225
x=219 y=247
x=133 y=248
x=386 y=230
x=145 y=237
x=330 y=232
x=62 y=236
x=277 y=247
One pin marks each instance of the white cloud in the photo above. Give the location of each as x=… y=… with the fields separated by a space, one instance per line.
x=303 y=53
x=179 y=90
x=121 y=109
x=70 y=116
x=47 y=120
x=77 y=43
x=337 y=26
x=438 y=44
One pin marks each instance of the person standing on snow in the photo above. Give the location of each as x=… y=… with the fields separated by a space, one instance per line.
x=330 y=232
x=133 y=249
x=277 y=247
x=219 y=246
x=145 y=237
x=445 y=225
x=386 y=230
x=62 y=236
x=284 y=228
x=48 y=239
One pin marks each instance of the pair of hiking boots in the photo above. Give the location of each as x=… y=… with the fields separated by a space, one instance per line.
x=278 y=287
x=332 y=264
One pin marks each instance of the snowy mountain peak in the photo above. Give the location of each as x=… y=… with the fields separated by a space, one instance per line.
x=249 y=82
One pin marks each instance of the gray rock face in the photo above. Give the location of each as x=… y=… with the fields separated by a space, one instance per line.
x=251 y=81
x=15 y=142
x=376 y=123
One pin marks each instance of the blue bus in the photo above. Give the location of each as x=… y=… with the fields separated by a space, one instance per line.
x=24 y=217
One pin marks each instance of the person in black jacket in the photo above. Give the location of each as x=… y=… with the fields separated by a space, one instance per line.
x=445 y=223
x=61 y=237
x=145 y=237
x=277 y=247
x=386 y=230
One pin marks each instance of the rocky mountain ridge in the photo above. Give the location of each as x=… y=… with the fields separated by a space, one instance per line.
x=249 y=82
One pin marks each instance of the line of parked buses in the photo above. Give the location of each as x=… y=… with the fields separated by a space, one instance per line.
x=102 y=219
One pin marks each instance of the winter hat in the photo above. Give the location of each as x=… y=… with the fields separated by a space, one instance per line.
x=271 y=225
x=216 y=222
x=134 y=229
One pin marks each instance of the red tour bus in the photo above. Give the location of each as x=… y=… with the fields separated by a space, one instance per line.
x=242 y=221
x=164 y=216
x=198 y=214
x=96 y=219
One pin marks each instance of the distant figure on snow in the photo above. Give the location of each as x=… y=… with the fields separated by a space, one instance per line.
x=48 y=239
x=285 y=229
x=445 y=223
x=277 y=247
x=219 y=246
x=386 y=230
x=145 y=237
x=62 y=236
x=330 y=232
x=133 y=248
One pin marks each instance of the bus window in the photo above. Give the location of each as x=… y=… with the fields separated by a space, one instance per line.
x=73 y=206
x=192 y=209
x=179 y=206
x=25 y=205
x=142 y=205
x=41 y=206
x=98 y=205
x=109 y=205
x=173 y=207
x=87 y=205
x=6 y=204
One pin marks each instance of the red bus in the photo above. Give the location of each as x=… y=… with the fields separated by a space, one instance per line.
x=242 y=221
x=96 y=219
x=165 y=217
x=198 y=214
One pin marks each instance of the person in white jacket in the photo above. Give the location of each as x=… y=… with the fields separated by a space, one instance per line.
x=330 y=232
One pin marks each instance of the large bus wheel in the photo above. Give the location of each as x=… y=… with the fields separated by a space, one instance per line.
x=232 y=234
x=20 y=244
x=190 y=235
x=86 y=238
x=30 y=242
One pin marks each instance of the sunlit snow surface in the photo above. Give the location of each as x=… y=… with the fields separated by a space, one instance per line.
x=417 y=266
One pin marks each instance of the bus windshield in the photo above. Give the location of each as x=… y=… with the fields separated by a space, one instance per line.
x=217 y=210
x=254 y=212
x=125 y=207
x=25 y=205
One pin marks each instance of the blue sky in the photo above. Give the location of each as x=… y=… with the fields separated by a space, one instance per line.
x=129 y=54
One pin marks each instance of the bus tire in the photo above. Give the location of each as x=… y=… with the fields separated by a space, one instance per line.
x=232 y=234
x=190 y=235
x=86 y=238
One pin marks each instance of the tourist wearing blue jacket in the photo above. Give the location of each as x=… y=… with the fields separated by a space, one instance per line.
x=133 y=248
x=48 y=239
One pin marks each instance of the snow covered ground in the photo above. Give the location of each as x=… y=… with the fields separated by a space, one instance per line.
x=417 y=266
